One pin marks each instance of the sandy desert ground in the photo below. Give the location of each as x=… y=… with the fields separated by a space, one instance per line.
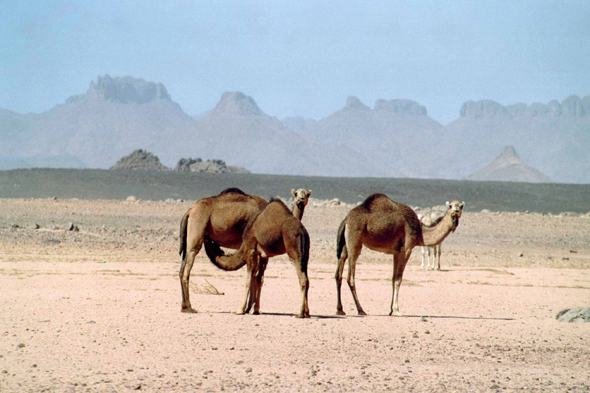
x=90 y=302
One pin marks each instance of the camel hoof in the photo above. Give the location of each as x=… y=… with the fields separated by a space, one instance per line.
x=240 y=312
x=340 y=312
x=361 y=312
x=255 y=312
x=189 y=310
x=396 y=314
x=302 y=316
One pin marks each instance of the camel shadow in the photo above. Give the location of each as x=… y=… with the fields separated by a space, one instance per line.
x=449 y=317
x=319 y=316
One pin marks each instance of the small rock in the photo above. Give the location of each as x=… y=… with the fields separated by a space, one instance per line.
x=131 y=198
x=574 y=315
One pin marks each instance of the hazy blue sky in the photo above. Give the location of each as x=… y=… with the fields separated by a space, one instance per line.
x=298 y=57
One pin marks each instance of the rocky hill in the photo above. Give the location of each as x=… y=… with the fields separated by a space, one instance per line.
x=509 y=167
x=139 y=160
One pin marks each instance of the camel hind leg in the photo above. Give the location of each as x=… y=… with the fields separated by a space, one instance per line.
x=252 y=268
x=184 y=275
x=338 y=277
x=298 y=251
x=354 y=246
x=256 y=290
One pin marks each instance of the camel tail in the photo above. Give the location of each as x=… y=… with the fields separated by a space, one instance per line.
x=183 y=229
x=217 y=257
x=304 y=244
x=340 y=239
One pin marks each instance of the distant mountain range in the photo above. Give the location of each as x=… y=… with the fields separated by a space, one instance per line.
x=395 y=138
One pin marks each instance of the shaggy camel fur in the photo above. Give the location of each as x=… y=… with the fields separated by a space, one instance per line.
x=271 y=232
x=430 y=220
x=220 y=219
x=301 y=199
x=390 y=227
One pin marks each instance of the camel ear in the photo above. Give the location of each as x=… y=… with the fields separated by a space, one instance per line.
x=293 y=191
x=309 y=193
x=462 y=204
x=448 y=205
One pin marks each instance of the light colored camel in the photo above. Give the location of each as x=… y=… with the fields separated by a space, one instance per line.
x=430 y=219
x=220 y=219
x=301 y=198
x=271 y=232
x=389 y=227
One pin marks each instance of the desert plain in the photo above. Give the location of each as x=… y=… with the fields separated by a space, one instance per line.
x=90 y=302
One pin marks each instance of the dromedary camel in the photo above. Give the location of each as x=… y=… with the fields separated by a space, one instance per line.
x=301 y=198
x=390 y=227
x=430 y=219
x=271 y=232
x=220 y=221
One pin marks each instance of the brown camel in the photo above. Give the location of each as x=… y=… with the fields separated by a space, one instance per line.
x=301 y=198
x=390 y=227
x=271 y=232
x=220 y=220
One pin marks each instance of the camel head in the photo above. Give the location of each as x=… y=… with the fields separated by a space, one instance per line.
x=301 y=197
x=455 y=210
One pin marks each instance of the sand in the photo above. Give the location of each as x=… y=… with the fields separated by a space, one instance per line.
x=90 y=301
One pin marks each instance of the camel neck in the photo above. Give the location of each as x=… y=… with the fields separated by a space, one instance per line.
x=298 y=209
x=432 y=236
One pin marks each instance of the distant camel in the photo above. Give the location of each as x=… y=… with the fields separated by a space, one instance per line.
x=301 y=199
x=271 y=232
x=429 y=220
x=390 y=227
x=220 y=219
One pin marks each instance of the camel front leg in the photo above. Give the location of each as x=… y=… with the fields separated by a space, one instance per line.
x=437 y=250
x=399 y=264
x=338 y=277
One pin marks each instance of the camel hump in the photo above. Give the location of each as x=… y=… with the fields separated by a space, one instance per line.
x=232 y=190
x=372 y=200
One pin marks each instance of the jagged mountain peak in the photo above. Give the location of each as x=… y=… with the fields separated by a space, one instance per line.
x=236 y=103
x=354 y=103
x=125 y=90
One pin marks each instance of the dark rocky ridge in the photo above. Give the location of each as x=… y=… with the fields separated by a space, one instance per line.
x=197 y=165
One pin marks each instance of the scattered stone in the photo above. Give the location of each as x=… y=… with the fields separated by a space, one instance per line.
x=574 y=315
x=131 y=198
x=73 y=227
x=520 y=254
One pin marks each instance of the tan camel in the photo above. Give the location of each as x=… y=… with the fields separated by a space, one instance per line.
x=390 y=227
x=220 y=220
x=429 y=220
x=301 y=198
x=271 y=232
